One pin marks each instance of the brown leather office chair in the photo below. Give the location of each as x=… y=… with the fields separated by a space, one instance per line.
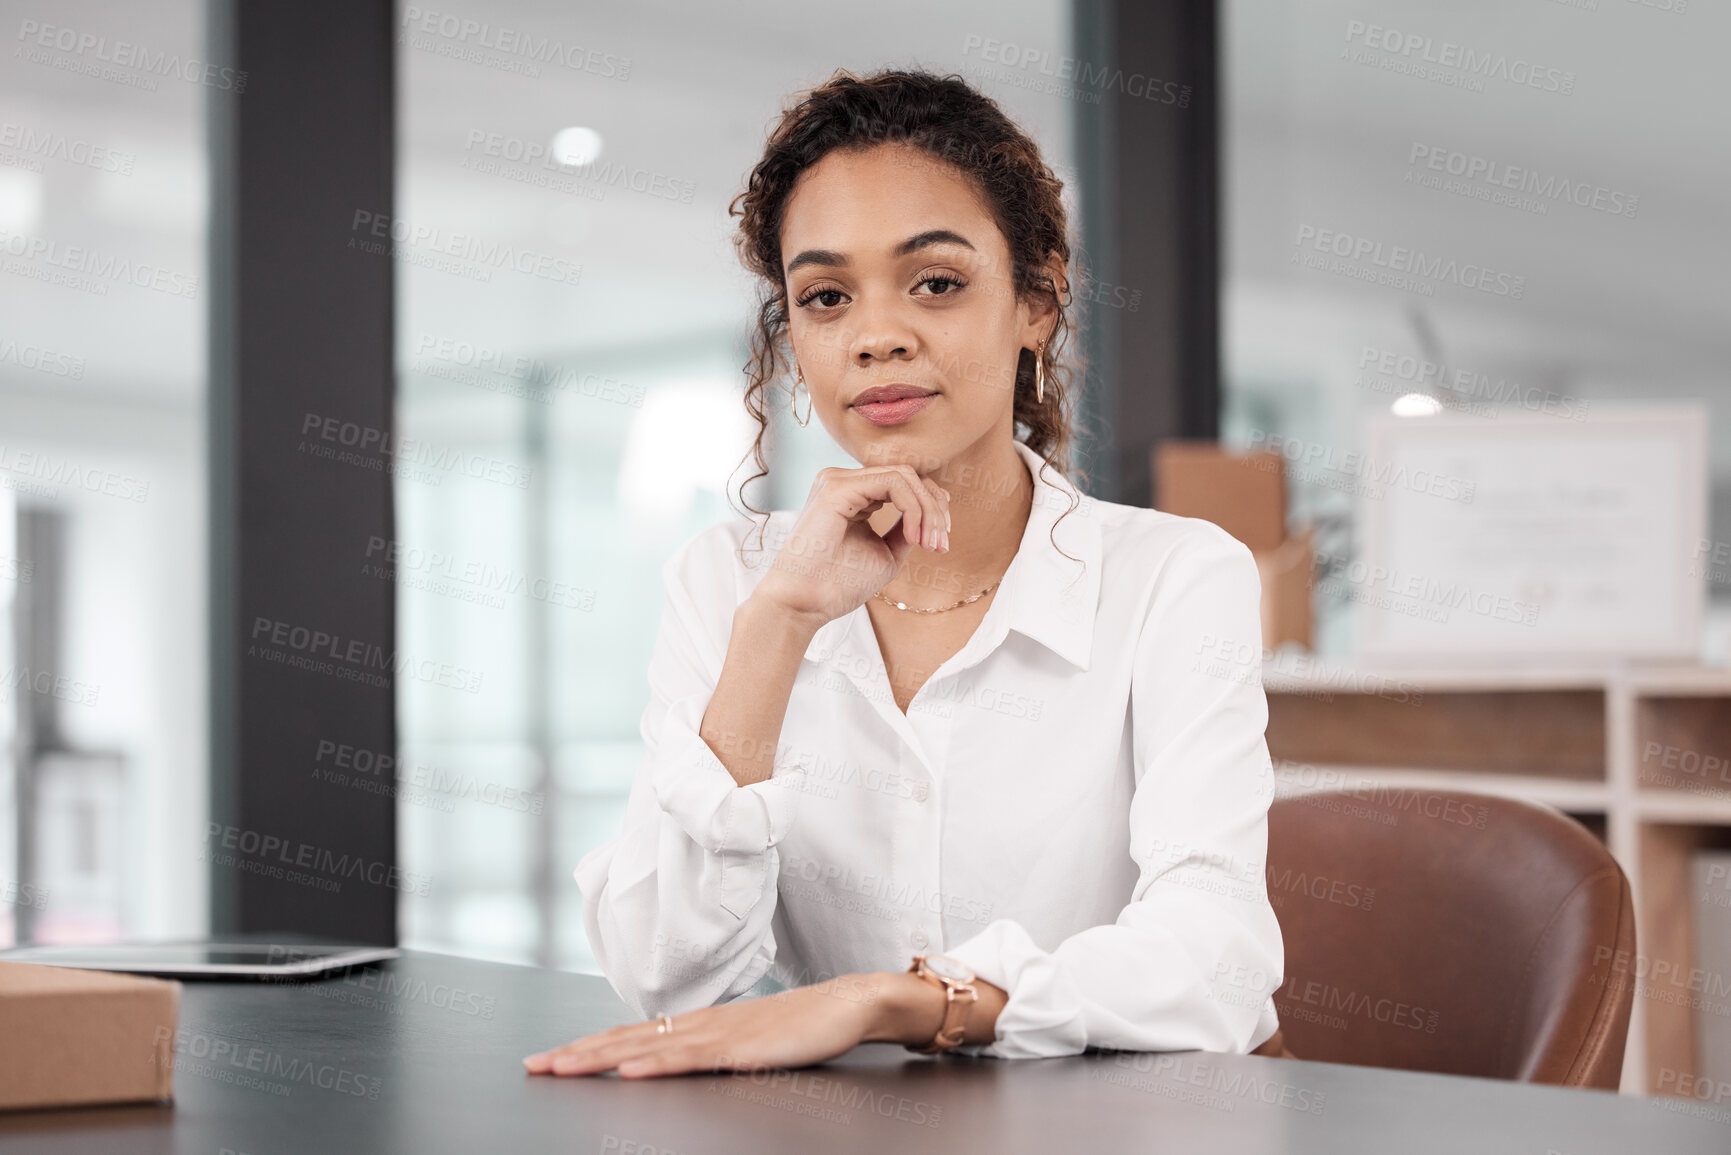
x=1450 y=932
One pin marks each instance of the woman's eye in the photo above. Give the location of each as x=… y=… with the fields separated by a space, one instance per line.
x=826 y=298
x=942 y=286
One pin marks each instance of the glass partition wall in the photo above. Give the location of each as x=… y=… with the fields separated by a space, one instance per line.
x=592 y=387
x=103 y=226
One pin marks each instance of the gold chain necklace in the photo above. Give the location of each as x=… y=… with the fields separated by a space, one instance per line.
x=940 y=609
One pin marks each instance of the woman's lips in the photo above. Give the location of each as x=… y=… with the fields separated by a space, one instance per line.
x=893 y=412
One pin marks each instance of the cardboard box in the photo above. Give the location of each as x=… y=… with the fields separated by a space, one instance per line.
x=1245 y=494
x=1286 y=572
x=74 y=1037
x=1242 y=493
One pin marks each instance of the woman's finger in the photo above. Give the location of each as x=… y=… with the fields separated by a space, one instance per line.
x=587 y=1047
x=910 y=492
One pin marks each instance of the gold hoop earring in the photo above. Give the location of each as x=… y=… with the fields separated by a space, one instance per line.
x=1040 y=374
x=793 y=400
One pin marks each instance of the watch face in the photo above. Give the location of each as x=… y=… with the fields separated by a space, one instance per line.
x=946 y=967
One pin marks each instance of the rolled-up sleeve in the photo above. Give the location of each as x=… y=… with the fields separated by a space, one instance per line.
x=678 y=907
x=1195 y=956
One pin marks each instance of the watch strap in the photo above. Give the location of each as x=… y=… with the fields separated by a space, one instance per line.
x=957 y=996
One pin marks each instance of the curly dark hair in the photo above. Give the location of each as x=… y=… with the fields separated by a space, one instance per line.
x=950 y=120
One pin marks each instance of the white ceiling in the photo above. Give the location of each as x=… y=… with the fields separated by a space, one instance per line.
x=1634 y=307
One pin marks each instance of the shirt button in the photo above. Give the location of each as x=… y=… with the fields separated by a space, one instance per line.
x=919 y=939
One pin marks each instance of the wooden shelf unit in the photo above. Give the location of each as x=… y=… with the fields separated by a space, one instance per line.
x=1639 y=752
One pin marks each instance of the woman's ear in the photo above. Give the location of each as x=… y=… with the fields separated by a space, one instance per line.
x=1042 y=311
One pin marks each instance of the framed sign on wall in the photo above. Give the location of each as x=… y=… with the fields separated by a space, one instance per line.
x=1531 y=536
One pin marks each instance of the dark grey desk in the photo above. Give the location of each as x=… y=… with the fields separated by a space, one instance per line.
x=423 y=1056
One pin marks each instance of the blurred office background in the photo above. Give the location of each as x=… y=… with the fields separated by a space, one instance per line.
x=606 y=404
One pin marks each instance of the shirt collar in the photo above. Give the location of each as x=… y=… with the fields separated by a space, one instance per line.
x=1051 y=598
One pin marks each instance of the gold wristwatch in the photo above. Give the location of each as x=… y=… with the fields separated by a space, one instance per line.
x=959 y=990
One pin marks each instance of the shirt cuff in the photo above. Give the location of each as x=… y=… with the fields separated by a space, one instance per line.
x=1042 y=1018
x=738 y=824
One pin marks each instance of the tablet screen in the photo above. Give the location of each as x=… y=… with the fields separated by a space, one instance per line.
x=204 y=958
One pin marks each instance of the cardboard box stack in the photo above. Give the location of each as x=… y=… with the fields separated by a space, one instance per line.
x=1245 y=494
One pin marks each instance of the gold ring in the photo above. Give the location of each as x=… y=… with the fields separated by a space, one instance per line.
x=664 y=1024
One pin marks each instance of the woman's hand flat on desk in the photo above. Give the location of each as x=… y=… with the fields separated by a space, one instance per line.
x=792 y=1028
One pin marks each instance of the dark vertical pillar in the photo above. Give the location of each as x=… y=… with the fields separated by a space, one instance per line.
x=1150 y=160
x=38 y=630
x=302 y=644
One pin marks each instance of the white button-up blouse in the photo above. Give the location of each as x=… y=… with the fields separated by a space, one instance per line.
x=1074 y=805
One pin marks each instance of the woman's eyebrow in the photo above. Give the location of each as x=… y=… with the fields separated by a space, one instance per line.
x=931 y=237
x=833 y=259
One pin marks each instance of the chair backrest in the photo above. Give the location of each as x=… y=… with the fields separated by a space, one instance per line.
x=1451 y=932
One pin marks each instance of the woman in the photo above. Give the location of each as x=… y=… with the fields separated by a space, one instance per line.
x=953 y=782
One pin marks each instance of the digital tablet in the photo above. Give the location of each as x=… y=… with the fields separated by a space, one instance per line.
x=205 y=959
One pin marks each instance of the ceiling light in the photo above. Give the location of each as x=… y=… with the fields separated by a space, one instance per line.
x=575 y=147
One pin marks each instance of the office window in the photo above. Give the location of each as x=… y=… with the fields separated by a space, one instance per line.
x=595 y=399
x=1521 y=193
x=103 y=224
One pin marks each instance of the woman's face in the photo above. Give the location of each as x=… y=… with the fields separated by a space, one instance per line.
x=897 y=275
